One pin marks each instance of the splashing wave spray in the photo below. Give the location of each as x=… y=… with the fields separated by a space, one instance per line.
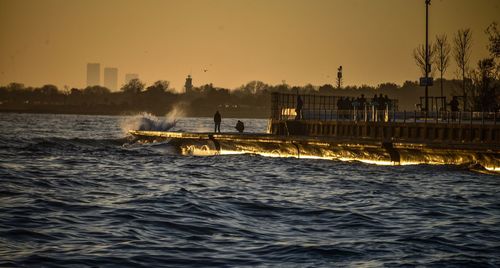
x=147 y=121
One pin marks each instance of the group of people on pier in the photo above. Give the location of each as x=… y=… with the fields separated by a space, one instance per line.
x=378 y=102
x=356 y=108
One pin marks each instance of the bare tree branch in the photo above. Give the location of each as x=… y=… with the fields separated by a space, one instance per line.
x=443 y=49
x=494 y=38
x=419 y=57
x=461 y=53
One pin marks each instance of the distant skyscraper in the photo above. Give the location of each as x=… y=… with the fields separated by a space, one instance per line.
x=129 y=77
x=111 y=78
x=188 y=86
x=93 y=74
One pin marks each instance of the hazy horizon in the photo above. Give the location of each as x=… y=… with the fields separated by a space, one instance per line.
x=229 y=43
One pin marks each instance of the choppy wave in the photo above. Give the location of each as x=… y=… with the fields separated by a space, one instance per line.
x=90 y=201
x=146 y=121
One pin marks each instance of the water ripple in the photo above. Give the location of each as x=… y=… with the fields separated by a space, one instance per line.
x=76 y=193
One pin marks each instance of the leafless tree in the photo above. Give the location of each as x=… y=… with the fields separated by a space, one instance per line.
x=494 y=38
x=443 y=49
x=461 y=53
x=419 y=57
x=483 y=89
x=494 y=46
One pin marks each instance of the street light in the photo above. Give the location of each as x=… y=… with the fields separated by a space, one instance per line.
x=427 y=3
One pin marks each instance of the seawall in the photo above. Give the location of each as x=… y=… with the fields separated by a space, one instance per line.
x=367 y=149
x=423 y=132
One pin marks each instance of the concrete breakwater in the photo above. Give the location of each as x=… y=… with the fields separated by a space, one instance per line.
x=362 y=148
x=471 y=134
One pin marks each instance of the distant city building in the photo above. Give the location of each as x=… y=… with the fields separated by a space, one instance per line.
x=111 y=78
x=188 y=86
x=93 y=74
x=129 y=77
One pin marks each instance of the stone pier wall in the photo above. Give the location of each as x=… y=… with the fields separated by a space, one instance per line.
x=390 y=131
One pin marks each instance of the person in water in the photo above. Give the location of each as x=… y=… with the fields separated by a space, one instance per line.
x=240 y=126
x=217 y=121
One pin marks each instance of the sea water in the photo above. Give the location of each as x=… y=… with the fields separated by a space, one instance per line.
x=75 y=192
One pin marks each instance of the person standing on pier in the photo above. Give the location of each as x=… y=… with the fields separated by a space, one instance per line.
x=362 y=107
x=381 y=108
x=454 y=108
x=340 y=104
x=374 y=107
x=298 y=110
x=355 y=108
x=387 y=108
x=217 y=121
x=362 y=101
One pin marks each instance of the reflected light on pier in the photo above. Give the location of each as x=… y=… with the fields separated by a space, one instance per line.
x=366 y=161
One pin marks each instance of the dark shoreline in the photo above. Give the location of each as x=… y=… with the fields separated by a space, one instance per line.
x=226 y=114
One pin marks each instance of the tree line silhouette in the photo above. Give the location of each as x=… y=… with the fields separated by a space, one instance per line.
x=250 y=100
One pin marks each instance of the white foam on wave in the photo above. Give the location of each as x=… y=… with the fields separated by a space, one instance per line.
x=149 y=122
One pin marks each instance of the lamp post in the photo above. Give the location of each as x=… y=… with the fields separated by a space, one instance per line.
x=427 y=67
x=339 y=77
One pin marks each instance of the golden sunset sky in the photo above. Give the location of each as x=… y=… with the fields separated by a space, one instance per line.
x=236 y=41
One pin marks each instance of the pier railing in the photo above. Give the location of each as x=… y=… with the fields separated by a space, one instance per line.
x=325 y=108
x=285 y=104
x=372 y=115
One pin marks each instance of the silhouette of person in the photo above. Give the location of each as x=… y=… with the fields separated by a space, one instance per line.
x=240 y=126
x=454 y=104
x=387 y=101
x=454 y=108
x=340 y=108
x=388 y=106
x=355 y=106
x=381 y=102
x=375 y=101
x=217 y=121
x=298 y=110
x=362 y=101
x=374 y=107
x=340 y=101
x=381 y=107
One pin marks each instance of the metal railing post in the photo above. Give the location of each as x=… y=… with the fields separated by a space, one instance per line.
x=365 y=114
